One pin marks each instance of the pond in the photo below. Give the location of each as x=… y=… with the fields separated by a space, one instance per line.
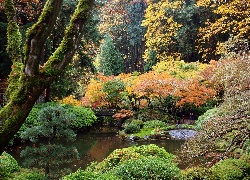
x=97 y=144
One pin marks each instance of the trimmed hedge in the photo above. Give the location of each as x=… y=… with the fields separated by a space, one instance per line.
x=84 y=175
x=146 y=168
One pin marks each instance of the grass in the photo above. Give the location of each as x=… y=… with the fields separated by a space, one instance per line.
x=147 y=131
x=144 y=132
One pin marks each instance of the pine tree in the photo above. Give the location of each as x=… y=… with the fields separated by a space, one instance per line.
x=54 y=125
x=111 y=62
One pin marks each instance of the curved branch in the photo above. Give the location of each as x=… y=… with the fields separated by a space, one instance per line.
x=37 y=35
x=73 y=34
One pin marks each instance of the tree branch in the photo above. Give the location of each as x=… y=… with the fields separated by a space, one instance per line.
x=37 y=35
x=73 y=34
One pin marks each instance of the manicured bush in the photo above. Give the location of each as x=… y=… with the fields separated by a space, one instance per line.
x=132 y=128
x=154 y=124
x=84 y=116
x=119 y=156
x=146 y=168
x=229 y=169
x=8 y=165
x=232 y=169
x=31 y=120
x=85 y=175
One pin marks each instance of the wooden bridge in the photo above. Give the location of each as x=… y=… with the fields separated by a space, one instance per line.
x=104 y=112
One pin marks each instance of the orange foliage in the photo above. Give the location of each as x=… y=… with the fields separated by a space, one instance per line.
x=123 y=113
x=193 y=92
x=157 y=85
x=153 y=84
x=94 y=95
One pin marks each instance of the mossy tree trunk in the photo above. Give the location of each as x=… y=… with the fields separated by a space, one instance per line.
x=28 y=79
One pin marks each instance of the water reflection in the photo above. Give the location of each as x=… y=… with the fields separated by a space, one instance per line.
x=97 y=145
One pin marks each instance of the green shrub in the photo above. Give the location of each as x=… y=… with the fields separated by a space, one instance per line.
x=31 y=120
x=132 y=128
x=28 y=174
x=85 y=175
x=146 y=168
x=205 y=117
x=232 y=169
x=84 y=116
x=8 y=165
x=137 y=122
x=197 y=174
x=119 y=156
x=154 y=124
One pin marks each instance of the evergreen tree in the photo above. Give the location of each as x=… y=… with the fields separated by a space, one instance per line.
x=54 y=125
x=111 y=62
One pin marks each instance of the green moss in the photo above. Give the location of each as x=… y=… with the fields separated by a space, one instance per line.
x=67 y=42
x=13 y=33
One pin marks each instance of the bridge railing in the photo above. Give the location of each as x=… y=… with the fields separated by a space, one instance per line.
x=104 y=112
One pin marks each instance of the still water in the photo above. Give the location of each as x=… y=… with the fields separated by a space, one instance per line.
x=97 y=144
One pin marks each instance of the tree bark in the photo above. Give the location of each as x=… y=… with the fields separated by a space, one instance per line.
x=28 y=79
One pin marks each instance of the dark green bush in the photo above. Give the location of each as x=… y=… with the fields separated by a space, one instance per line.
x=232 y=169
x=132 y=128
x=31 y=120
x=229 y=169
x=84 y=175
x=84 y=116
x=146 y=168
x=8 y=165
